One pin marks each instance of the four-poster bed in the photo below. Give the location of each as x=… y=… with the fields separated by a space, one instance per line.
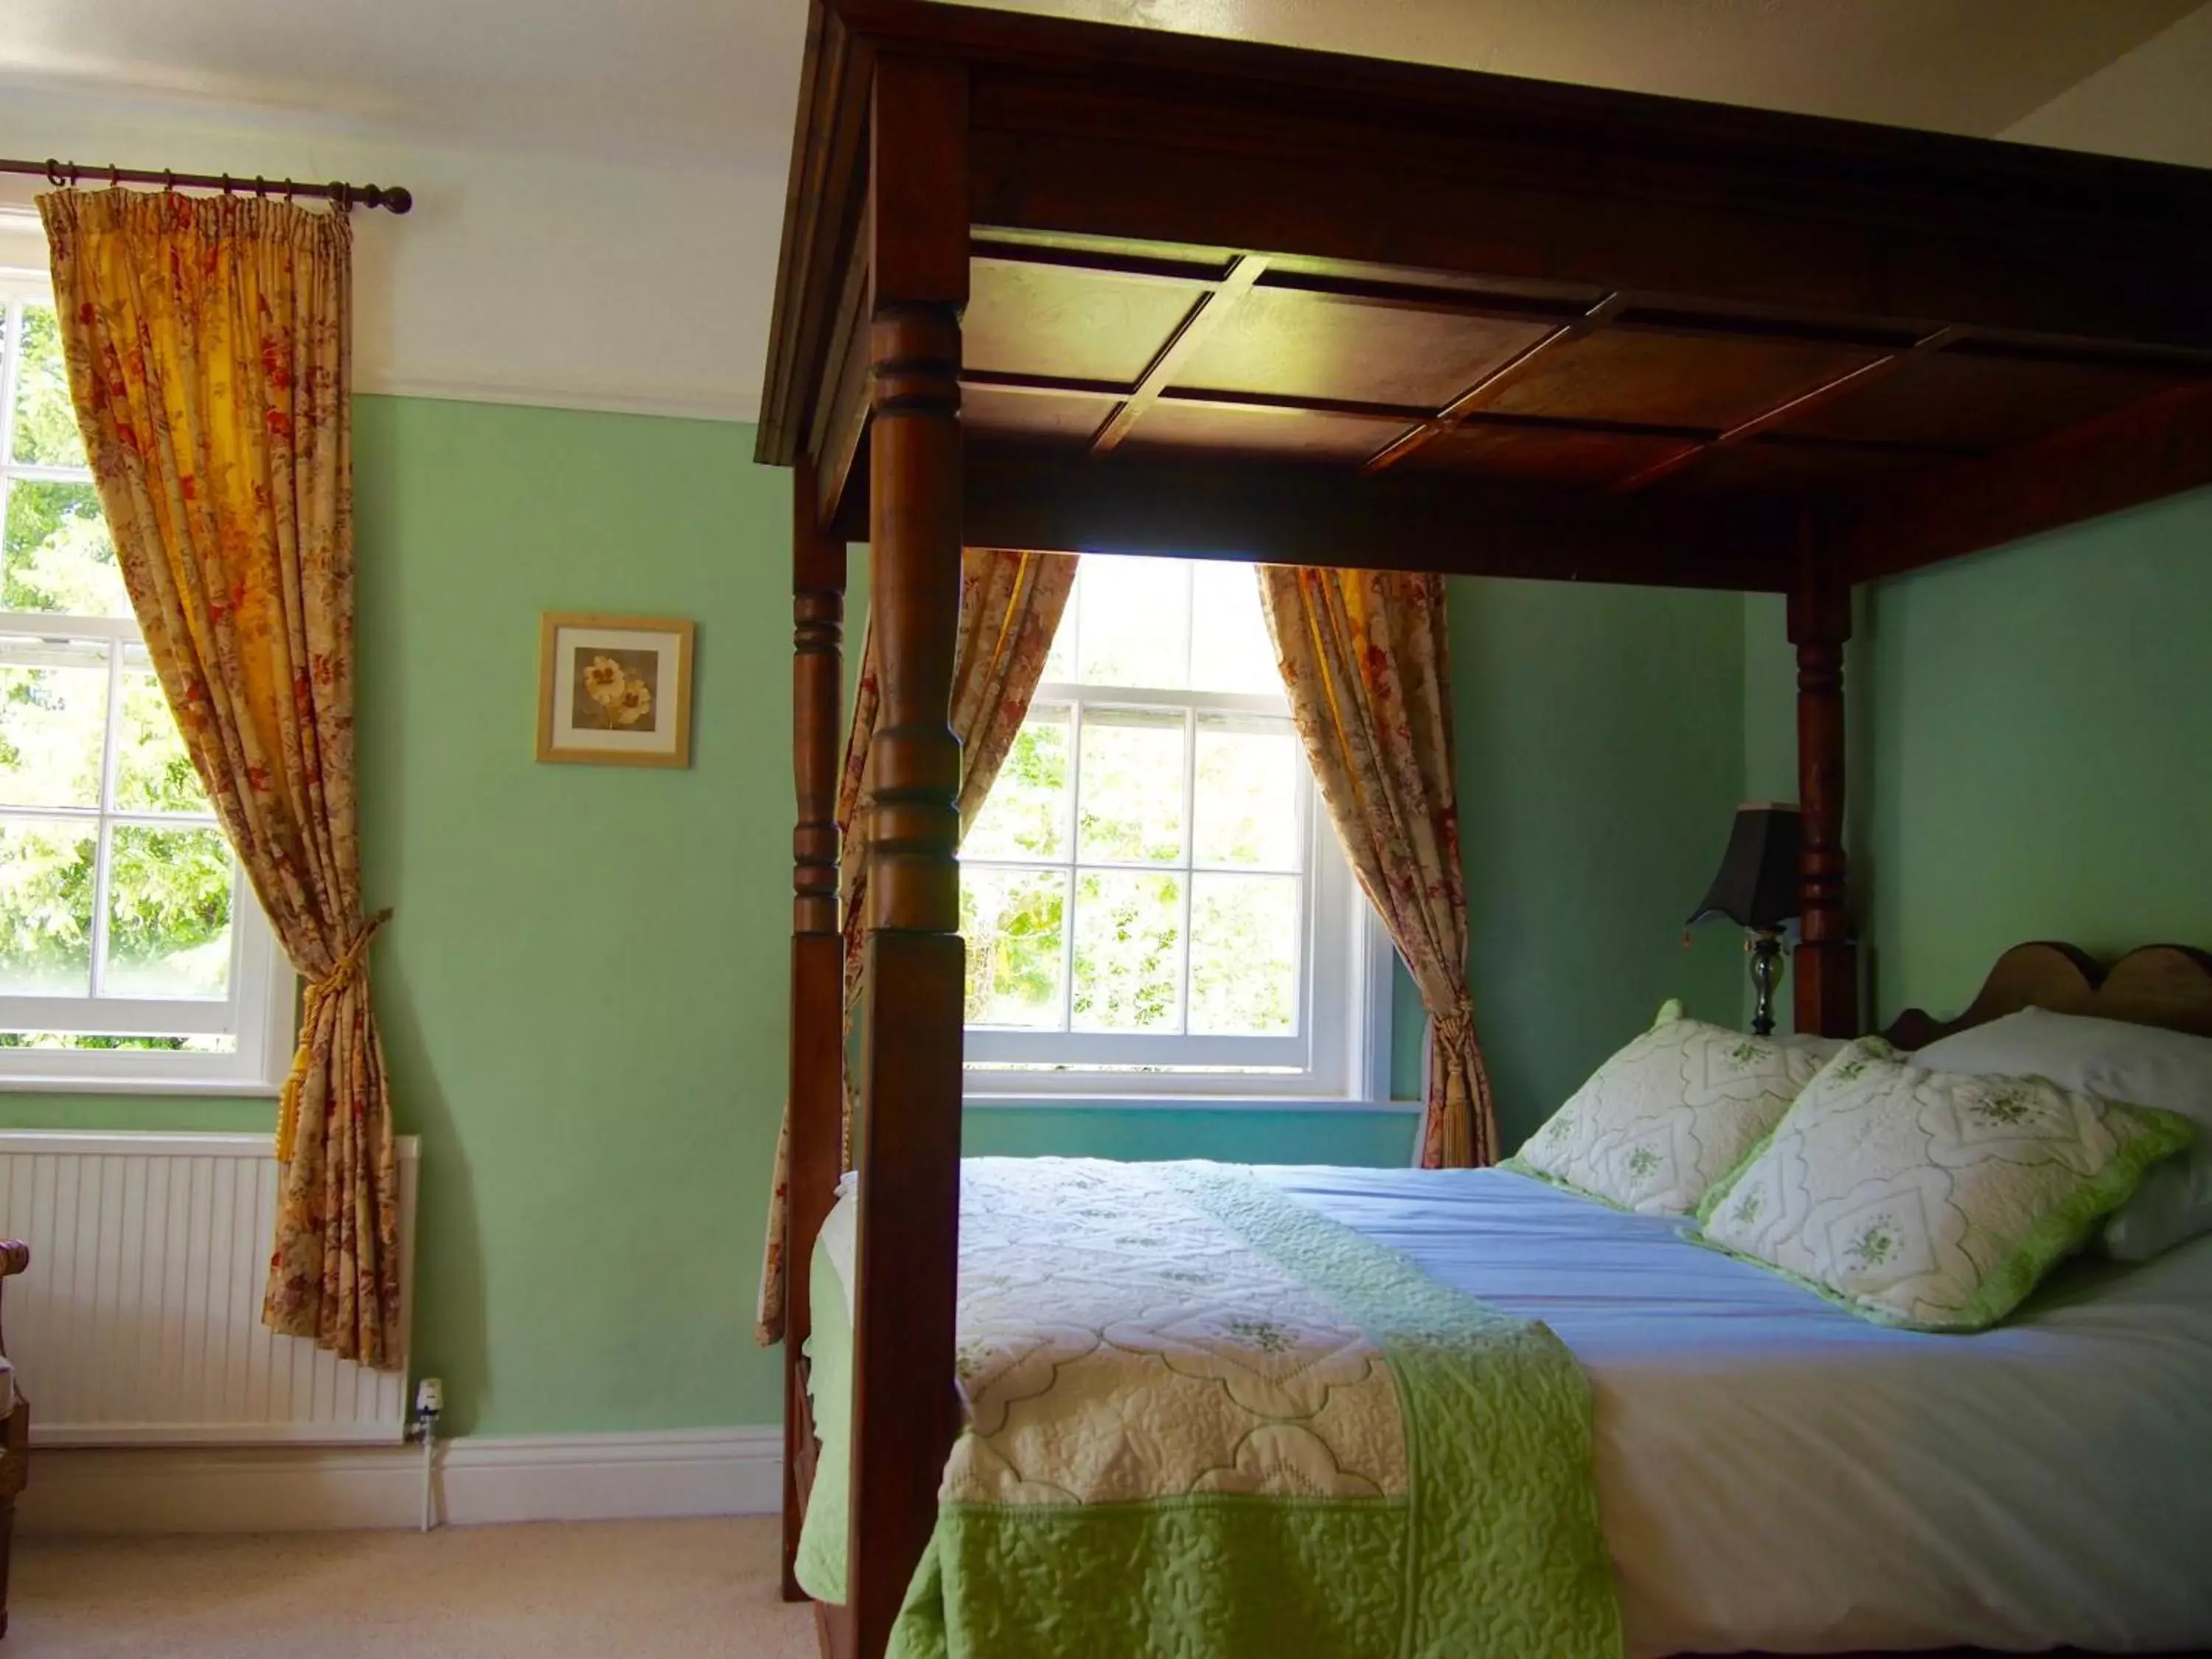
x=1066 y=286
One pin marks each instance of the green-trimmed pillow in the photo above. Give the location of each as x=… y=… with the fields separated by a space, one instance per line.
x=1669 y=1115
x=1932 y=1200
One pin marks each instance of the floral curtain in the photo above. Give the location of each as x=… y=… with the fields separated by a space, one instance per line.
x=209 y=348
x=1365 y=662
x=1009 y=608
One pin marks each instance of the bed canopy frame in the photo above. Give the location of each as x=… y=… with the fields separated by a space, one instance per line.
x=1064 y=286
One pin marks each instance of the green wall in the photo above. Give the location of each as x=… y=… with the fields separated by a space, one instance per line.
x=2029 y=734
x=2040 y=722
x=1599 y=736
x=582 y=992
x=1769 y=700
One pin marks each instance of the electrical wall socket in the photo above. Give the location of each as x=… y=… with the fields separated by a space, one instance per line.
x=429 y=1397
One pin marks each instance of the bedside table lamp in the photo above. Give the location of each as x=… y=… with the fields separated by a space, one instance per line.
x=1757 y=889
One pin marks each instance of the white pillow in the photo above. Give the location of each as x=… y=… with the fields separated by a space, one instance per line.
x=2141 y=1065
x=1932 y=1200
x=1669 y=1115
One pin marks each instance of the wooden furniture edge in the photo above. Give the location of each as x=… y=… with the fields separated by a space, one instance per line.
x=815 y=1080
x=2168 y=986
x=884 y=129
x=1965 y=209
x=15 y=1438
x=1824 y=967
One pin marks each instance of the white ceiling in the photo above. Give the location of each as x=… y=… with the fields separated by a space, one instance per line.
x=713 y=80
x=1970 y=66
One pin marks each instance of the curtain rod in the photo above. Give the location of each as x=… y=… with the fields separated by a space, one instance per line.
x=392 y=197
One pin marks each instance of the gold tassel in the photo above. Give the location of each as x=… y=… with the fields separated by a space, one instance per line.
x=351 y=966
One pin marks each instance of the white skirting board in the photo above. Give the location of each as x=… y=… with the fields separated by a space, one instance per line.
x=585 y=1476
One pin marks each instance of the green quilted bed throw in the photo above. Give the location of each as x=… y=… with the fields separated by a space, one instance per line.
x=1205 y=1422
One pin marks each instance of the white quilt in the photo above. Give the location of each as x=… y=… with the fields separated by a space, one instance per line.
x=1775 y=1473
x=1176 y=1358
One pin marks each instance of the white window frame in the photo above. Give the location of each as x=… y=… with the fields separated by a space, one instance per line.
x=259 y=1011
x=1340 y=1054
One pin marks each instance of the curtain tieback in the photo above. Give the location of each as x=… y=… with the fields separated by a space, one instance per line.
x=352 y=964
x=1457 y=1029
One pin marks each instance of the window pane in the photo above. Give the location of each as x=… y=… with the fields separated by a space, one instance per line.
x=53 y=714
x=1244 y=954
x=1014 y=921
x=1133 y=779
x=1233 y=650
x=1026 y=814
x=1060 y=661
x=1248 y=794
x=152 y=773
x=168 y=912
x=45 y=908
x=46 y=422
x=1136 y=621
x=1128 y=965
x=58 y=556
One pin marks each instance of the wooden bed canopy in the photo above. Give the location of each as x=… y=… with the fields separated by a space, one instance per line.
x=1064 y=286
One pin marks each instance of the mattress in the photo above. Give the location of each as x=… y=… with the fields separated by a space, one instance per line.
x=1775 y=1474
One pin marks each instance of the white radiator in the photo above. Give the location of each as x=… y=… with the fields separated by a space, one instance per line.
x=139 y=1323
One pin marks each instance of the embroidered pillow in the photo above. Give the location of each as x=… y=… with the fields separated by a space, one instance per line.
x=1932 y=1200
x=1669 y=1115
x=2140 y=1064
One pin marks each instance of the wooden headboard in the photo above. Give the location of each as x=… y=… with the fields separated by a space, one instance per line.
x=2167 y=984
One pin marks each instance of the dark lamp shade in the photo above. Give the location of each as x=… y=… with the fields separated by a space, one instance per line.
x=1757 y=886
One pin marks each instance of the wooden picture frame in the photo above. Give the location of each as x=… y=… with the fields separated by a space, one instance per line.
x=614 y=690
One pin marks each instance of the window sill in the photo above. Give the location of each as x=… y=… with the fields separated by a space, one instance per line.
x=13 y=1082
x=1187 y=1104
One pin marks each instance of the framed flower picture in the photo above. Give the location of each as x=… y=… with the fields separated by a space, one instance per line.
x=616 y=690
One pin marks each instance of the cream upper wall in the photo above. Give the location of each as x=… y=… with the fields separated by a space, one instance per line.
x=518 y=277
x=2154 y=103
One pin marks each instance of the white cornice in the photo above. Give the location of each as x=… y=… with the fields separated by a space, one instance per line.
x=609 y=400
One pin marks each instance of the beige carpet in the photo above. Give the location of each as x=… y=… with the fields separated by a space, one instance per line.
x=637 y=1590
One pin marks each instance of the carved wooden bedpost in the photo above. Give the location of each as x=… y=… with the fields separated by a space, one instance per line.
x=817 y=1038
x=907 y=1140
x=1825 y=969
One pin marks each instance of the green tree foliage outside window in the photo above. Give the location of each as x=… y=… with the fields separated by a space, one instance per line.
x=1178 y=908
x=169 y=884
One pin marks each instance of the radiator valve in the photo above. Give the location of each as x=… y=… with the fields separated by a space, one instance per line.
x=430 y=1406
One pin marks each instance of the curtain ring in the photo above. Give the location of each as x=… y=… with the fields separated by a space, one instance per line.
x=341 y=196
x=114 y=176
x=289 y=185
x=226 y=184
x=260 y=188
x=169 y=181
x=76 y=173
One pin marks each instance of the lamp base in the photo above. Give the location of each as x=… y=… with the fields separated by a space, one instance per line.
x=1764 y=947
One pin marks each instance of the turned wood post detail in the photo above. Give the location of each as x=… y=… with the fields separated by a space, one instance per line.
x=818 y=638
x=907 y=1133
x=913 y=524
x=816 y=1078
x=817 y=1081
x=1825 y=968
